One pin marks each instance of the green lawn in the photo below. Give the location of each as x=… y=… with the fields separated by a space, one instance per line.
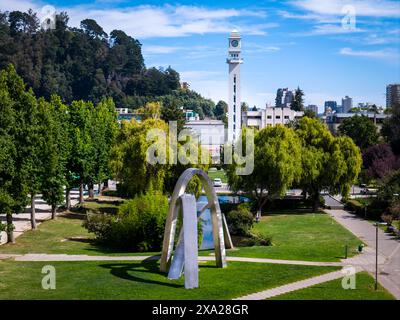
x=65 y=235
x=218 y=174
x=333 y=290
x=142 y=280
x=301 y=236
x=311 y=237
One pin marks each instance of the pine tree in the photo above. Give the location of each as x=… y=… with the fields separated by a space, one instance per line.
x=298 y=101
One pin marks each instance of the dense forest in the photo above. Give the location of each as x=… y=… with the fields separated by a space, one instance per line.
x=86 y=63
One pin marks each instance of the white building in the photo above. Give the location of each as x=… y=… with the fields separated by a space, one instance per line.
x=347 y=104
x=234 y=98
x=122 y=110
x=269 y=117
x=211 y=134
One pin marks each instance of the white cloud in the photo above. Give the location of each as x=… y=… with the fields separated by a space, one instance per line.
x=259 y=48
x=154 y=49
x=198 y=74
x=145 y=21
x=378 y=54
x=369 y=8
x=333 y=29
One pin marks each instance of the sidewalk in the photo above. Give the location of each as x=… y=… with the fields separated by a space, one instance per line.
x=22 y=221
x=262 y=295
x=388 y=249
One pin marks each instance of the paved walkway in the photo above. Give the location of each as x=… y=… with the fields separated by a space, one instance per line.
x=388 y=249
x=22 y=221
x=295 y=286
x=81 y=257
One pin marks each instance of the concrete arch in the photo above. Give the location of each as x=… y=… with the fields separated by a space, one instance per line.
x=221 y=236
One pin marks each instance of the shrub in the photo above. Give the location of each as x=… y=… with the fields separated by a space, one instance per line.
x=355 y=206
x=240 y=221
x=394 y=209
x=138 y=226
x=2 y=227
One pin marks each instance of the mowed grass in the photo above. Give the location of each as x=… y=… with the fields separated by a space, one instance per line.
x=65 y=235
x=333 y=290
x=301 y=236
x=142 y=280
x=295 y=236
x=218 y=174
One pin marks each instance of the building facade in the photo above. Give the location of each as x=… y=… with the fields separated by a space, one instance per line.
x=284 y=98
x=392 y=95
x=210 y=134
x=269 y=117
x=334 y=120
x=312 y=107
x=234 y=98
x=347 y=104
x=330 y=106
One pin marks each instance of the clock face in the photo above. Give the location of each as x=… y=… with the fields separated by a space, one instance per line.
x=234 y=43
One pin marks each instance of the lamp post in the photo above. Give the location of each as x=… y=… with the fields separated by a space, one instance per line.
x=376 y=256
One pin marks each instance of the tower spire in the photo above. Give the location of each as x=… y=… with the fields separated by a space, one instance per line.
x=234 y=101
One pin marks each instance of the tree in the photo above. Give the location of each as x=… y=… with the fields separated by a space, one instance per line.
x=328 y=163
x=171 y=111
x=8 y=152
x=221 y=109
x=244 y=107
x=309 y=113
x=277 y=164
x=361 y=129
x=104 y=127
x=128 y=158
x=152 y=110
x=391 y=129
x=90 y=27
x=297 y=103
x=82 y=156
x=55 y=152
x=379 y=160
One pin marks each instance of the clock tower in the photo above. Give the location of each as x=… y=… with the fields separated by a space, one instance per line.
x=234 y=101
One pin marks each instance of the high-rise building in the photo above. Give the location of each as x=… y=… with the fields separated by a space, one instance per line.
x=392 y=95
x=313 y=108
x=284 y=98
x=234 y=100
x=347 y=104
x=330 y=106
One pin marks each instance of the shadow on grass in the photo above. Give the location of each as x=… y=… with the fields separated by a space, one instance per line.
x=127 y=271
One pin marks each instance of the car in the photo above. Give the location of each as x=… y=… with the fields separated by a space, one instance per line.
x=217 y=182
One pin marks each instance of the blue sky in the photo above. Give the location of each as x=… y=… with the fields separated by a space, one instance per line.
x=285 y=43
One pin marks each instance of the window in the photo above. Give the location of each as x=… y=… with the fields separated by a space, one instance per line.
x=286 y=117
x=234 y=88
x=234 y=98
x=278 y=117
x=234 y=79
x=269 y=117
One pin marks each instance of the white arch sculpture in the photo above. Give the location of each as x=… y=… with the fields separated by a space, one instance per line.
x=187 y=248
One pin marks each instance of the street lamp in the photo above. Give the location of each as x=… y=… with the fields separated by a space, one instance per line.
x=376 y=256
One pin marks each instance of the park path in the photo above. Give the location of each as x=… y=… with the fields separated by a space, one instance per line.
x=81 y=257
x=269 y=293
x=22 y=221
x=388 y=249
